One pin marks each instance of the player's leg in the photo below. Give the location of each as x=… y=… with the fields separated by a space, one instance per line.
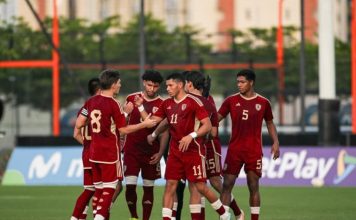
x=253 y=170
x=195 y=170
x=253 y=186
x=81 y=206
x=175 y=206
x=110 y=177
x=195 y=202
x=132 y=169
x=174 y=172
x=98 y=185
x=168 y=198
x=180 y=198
x=150 y=172
x=216 y=183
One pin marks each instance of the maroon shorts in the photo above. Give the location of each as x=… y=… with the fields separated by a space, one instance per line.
x=235 y=160
x=213 y=158
x=185 y=165
x=136 y=161
x=107 y=173
x=88 y=178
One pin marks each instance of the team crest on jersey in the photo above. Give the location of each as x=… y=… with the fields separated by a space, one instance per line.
x=184 y=106
x=154 y=109
x=258 y=107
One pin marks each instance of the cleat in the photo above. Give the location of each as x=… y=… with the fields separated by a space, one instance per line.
x=241 y=216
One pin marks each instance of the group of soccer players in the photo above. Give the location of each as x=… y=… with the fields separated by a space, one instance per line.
x=189 y=120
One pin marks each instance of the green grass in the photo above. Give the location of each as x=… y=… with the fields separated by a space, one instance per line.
x=278 y=203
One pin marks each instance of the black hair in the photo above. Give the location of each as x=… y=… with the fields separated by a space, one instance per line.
x=178 y=77
x=93 y=85
x=248 y=74
x=197 y=79
x=108 y=78
x=206 y=90
x=152 y=75
x=185 y=73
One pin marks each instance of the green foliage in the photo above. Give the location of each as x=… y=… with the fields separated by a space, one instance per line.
x=102 y=42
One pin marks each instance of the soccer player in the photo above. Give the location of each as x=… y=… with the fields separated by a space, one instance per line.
x=247 y=111
x=107 y=121
x=138 y=154
x=83 y=137
x=188 y=122
x=196 y=85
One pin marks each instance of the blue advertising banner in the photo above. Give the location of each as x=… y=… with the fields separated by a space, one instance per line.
x=297 y=166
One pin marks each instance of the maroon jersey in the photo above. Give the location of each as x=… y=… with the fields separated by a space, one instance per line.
x=86 y=133
x=247 y=115
x=210 y=108
x=138 y=139
x=105 y=118
x=183 y=117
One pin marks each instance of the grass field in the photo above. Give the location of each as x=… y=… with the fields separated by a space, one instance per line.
x=278 y=203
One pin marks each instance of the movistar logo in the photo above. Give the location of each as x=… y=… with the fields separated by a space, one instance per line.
x=345 y=165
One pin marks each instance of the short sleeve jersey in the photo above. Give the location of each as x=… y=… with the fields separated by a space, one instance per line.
x=139 y=138
x=210 y=108
x=184 y=117
x=105 y=118
x=247 y=115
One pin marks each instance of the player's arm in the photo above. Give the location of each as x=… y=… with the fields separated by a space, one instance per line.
x=272 y=131
x=204 y=129
x=220 y=117
x=163 y=143
x=163 y=126
x=147 y=123
x=79 y=124
x=214 y=132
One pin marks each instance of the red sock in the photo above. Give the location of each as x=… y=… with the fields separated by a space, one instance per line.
x=195 y=216
x=82 y=202
x=235 y=208
x=96 y=198
x=254 y=216
x=131 y=200
x=202 y=211
x=221 y=210
x=147 y=202
x=105 y=202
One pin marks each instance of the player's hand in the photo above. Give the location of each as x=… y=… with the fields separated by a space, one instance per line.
x=138 y=100
x=150 y=139
x=155 y=158
x=184 y=143
x=128 y=107
x=148 y=122
x=275 y=150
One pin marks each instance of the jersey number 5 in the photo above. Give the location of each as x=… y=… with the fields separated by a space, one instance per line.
x=244 y=114
x=95 y=117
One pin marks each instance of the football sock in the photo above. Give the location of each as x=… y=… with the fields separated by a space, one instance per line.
x=104 y=202
x=202 y=212
x=174 y=211
x=195 y=211
x=147 y=202
x=235 y=208
x=131 y=200
x=82 y=202
x=96 y=197
x=255 y=212
x=166 y=213
x=218 y=207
